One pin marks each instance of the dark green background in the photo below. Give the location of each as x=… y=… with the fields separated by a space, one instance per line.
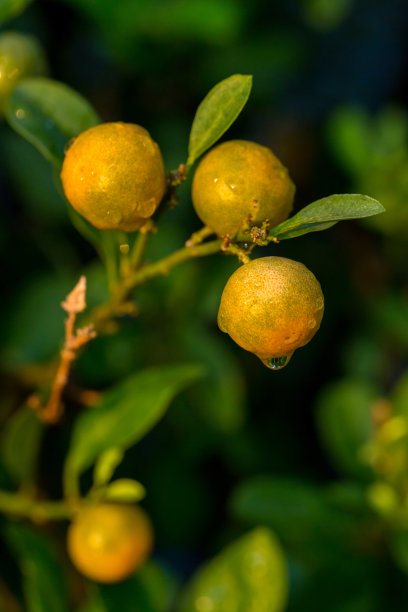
x=330 y=98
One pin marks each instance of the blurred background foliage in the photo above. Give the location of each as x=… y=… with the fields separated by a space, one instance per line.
x=318 y=452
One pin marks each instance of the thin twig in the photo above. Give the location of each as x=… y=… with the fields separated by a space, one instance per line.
x=74 y=340
x=199 y=236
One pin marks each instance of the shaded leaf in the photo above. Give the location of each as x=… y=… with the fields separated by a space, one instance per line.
x=11 y=8
x=48 y=114
x=324 y=213
x=43 y=584
x=20 y=444
x=219 y=109
x=221 y=396
x=312 y=525
x=126 y=413
x=399 y=548
x=249 y=574
x=25 y=340
x=400 y=396
x=293 y=508
x=344 y=418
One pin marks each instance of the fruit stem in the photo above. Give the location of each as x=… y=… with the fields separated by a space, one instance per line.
x=103 y=313
x=165 y=265
x=199 y=236
x=38 y=511
x=139 y=248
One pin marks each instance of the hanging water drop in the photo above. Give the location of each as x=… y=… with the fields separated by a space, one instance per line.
x=276 y=363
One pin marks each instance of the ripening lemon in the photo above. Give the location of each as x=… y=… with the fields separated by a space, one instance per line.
x=240 y=181
x=107 y=542
x=271 y=306
x=20 y=56
x=113 y=175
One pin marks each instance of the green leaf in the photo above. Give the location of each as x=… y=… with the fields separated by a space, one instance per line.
x=11 y=8
x=125 y=490
x=20 y=445
x=105 y=242
x=399 y=548
x=297 y=511
x=25 y=340
x=249 y=574
x=107 y=462
x=43 y=584
x=289 y=506
x=221 y=396
x=126 y=413
x=325 y=213
x=219 y=109
x=344 y=419
x=48 y=114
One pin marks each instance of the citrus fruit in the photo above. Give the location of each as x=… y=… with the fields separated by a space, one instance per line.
x=271 y=306
x=20 y=56
x=240 y=181
x=113 y=175
x=107 y=542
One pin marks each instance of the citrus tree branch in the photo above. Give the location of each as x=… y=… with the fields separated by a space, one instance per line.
x=35 y=510
x=115 y=305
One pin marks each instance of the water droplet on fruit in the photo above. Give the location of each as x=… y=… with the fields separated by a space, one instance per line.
x=276 y=363
x=319 y=303
x=69 y=144
x=311 y=323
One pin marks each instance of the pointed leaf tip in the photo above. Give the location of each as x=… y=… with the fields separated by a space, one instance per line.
x=325 y=213
x=219 y=109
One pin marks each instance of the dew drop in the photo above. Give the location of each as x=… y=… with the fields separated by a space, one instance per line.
x=20 y=113
x=276 y=363
x=69 y=144
x=319 y=303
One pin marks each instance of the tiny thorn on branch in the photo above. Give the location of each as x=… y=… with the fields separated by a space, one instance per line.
x=74 y=303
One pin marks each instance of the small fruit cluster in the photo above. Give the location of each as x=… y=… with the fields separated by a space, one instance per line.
x=113 y=175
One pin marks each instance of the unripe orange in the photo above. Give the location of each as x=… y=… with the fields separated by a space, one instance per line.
x=239 y=182
x=113 y=175
x=271 y=306
x=107 y=542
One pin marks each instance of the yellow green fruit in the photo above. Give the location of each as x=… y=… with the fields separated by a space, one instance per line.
x=270 y=307
x=113 y=175
x=20 y=56
x=239 y=181
x=107 y=542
